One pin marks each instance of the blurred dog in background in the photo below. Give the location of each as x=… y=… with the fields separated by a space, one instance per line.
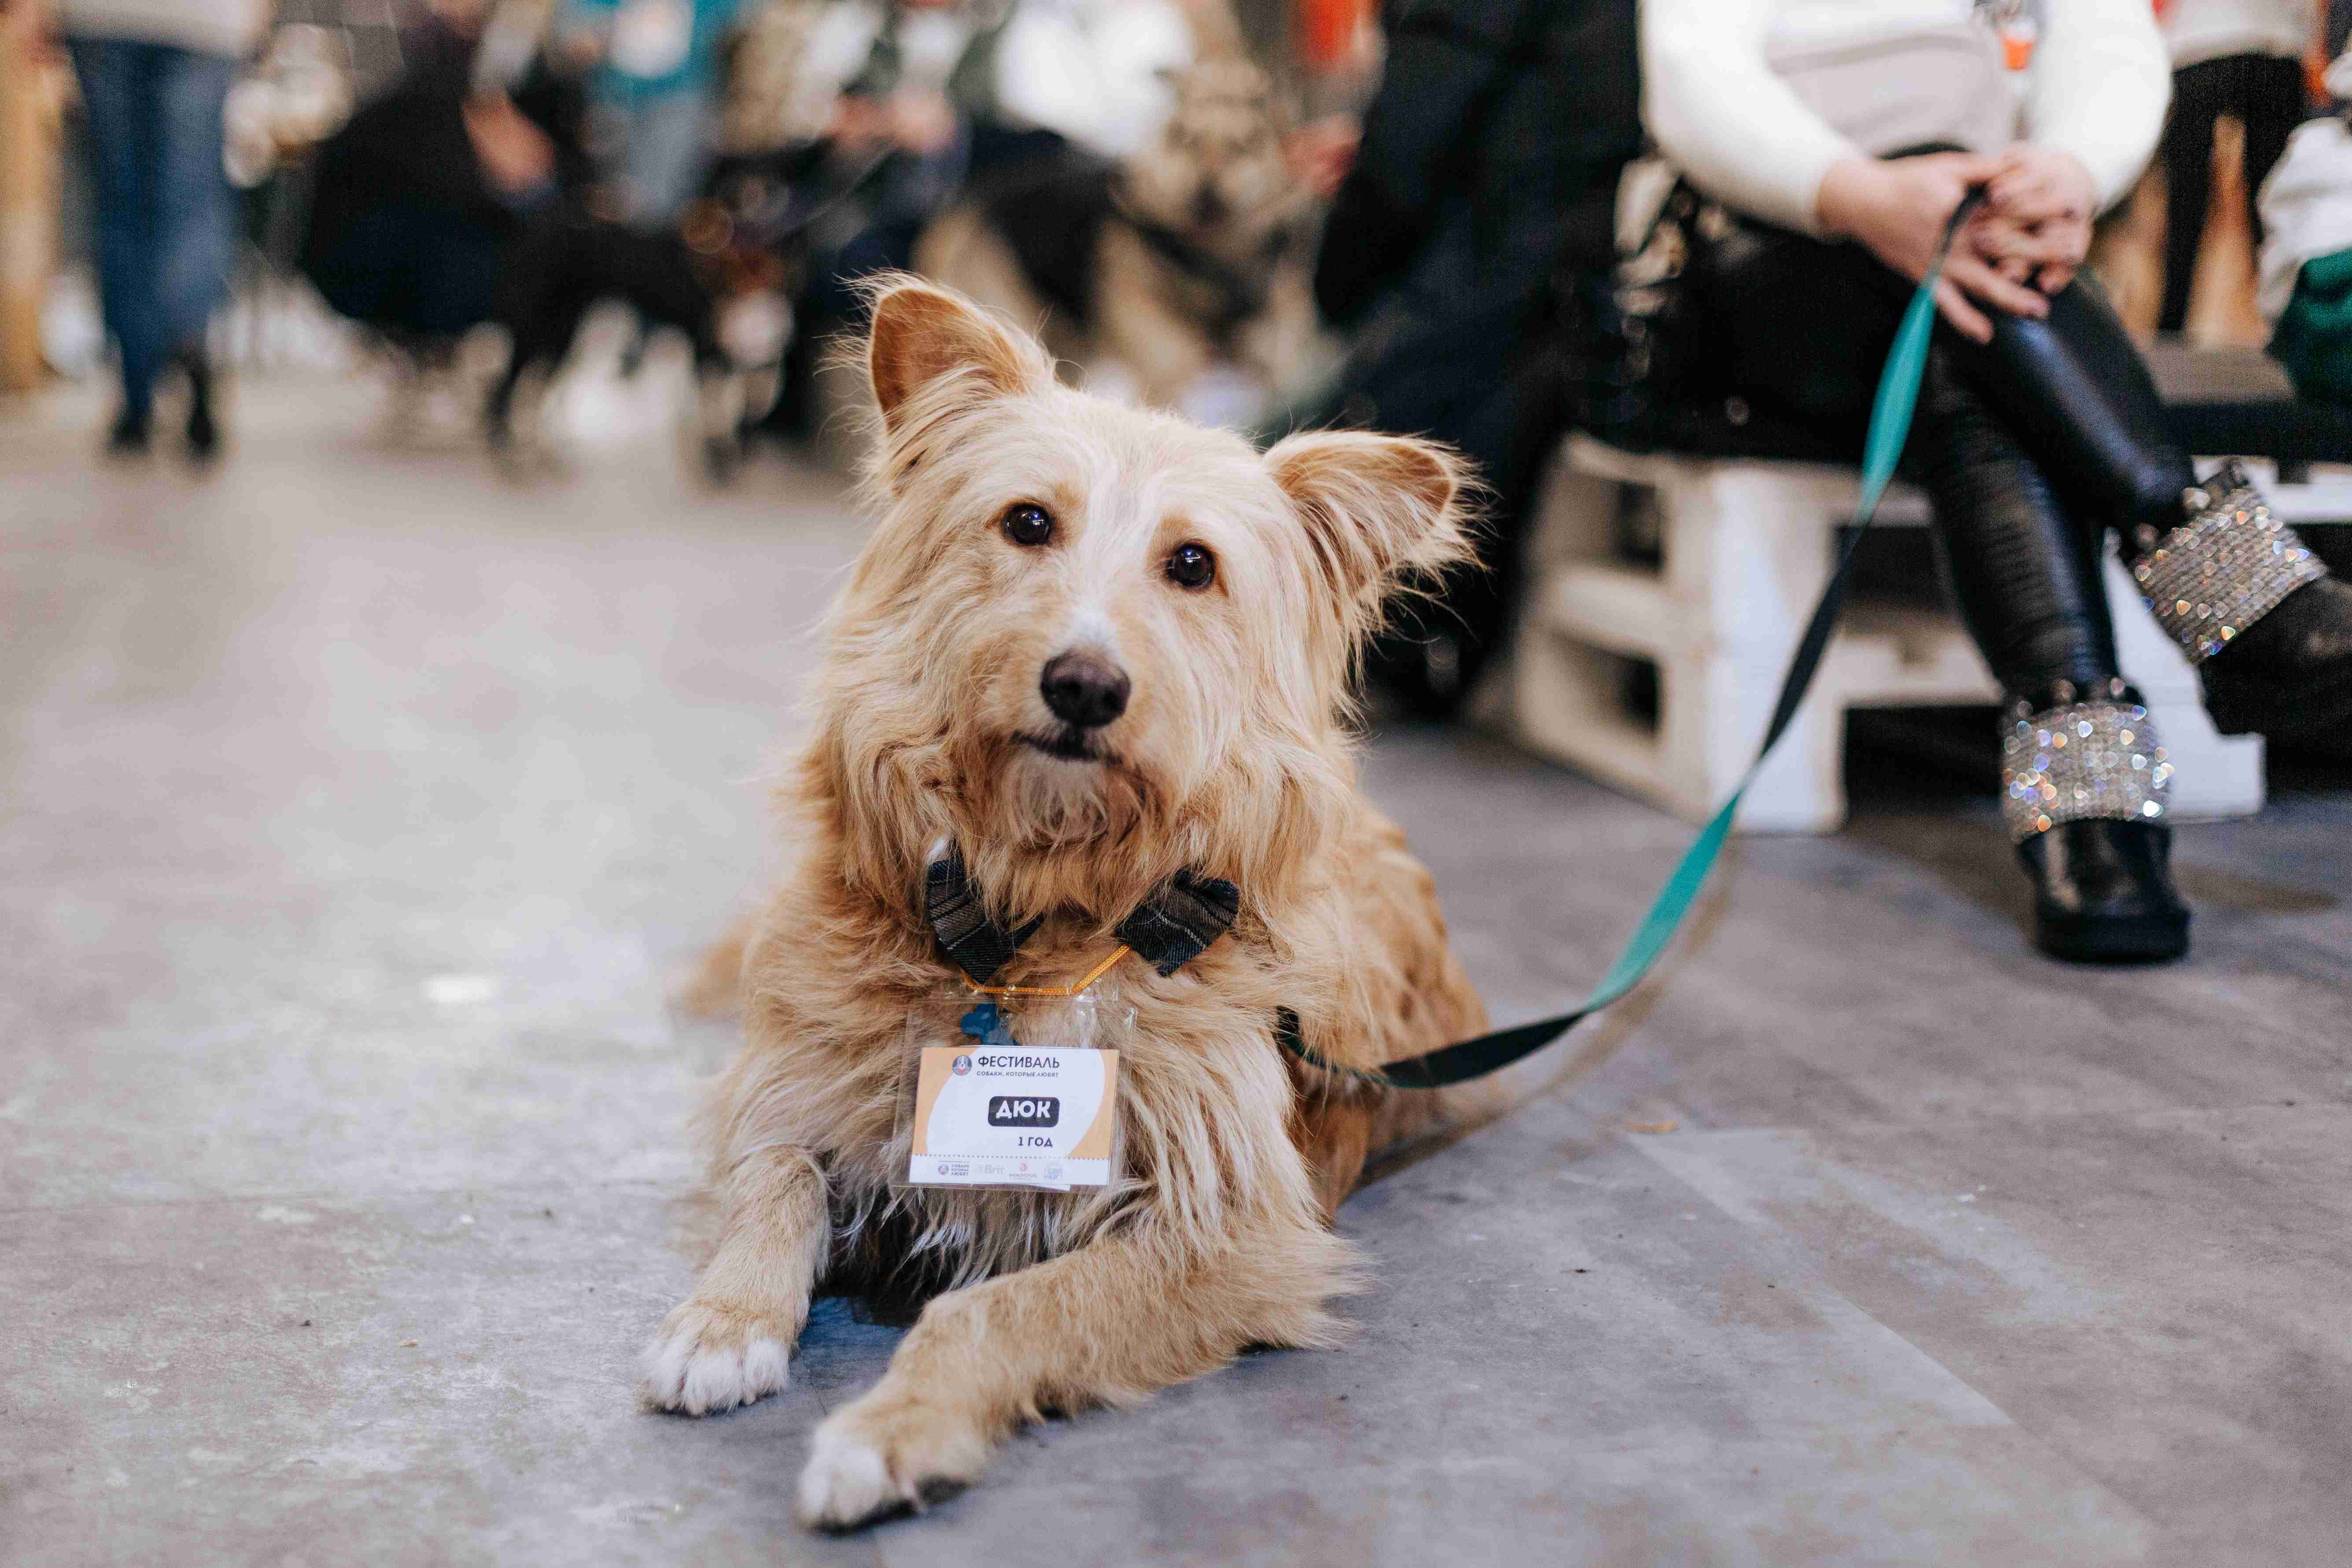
x=441 y=209
x=724 y=279
x=1195 y=252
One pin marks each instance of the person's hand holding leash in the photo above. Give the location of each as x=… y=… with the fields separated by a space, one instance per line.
x=1898 y=207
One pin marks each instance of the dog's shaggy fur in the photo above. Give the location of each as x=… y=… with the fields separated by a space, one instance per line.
x=1232 y=758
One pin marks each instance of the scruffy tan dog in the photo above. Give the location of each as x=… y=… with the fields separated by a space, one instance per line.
x=1094 y=648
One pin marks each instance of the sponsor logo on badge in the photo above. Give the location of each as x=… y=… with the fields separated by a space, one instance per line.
x=962 y=1066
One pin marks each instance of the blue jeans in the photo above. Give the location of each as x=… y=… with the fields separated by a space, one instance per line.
x=164 y=215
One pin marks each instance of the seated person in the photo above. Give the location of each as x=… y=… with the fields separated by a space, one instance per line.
x=1805 y=130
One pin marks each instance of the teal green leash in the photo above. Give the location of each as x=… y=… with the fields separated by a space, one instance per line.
x=1890 y=426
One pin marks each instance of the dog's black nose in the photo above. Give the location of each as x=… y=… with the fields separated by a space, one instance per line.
x=1084 y=689
x=1208 y=207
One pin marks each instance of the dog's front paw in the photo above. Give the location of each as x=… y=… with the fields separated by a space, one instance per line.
x=710 y=1357
x=884 y=1455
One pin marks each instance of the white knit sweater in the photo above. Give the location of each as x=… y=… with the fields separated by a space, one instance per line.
x=2097 y=89
x=2209 y=29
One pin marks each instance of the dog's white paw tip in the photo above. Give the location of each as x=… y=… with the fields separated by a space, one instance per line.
x=862 y=1469
x=661 y=1372
x=723 y=1379
x=845 y=1483
x=693 y=1368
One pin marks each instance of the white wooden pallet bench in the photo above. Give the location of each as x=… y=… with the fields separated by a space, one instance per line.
x=1745 y=549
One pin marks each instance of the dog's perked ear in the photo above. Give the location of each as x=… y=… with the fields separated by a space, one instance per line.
x=1379 y=511
x=931 y=351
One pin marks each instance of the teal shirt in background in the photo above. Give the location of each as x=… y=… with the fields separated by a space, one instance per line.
x=697 y=66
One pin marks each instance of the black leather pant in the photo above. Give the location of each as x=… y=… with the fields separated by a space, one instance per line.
x=2030 y=448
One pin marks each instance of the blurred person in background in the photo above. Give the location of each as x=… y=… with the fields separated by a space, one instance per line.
x=1489 y=163
x=880 y=78
x=655 y=86
x=1806 y=130
x=154 y=75
x=2306 y=282
x=2238 y=58
x=921 y=98
x=421 y=197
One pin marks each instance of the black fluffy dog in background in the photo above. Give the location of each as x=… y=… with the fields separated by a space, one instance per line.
x=409 y=237
x=723 y=279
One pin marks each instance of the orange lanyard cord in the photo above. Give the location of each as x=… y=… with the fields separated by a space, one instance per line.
x=1094 y=975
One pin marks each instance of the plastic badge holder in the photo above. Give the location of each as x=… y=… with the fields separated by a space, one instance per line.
x=1020 y=1095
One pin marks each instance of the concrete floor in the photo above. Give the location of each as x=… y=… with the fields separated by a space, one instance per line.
x=359 y=813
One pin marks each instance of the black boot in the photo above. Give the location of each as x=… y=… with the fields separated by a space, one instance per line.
x=127 y=436
x=2290 y=673
x=2247 y=602
x=204 y=429
x=2102 y=892
x=2083 y=787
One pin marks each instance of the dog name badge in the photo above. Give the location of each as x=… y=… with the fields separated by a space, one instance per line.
x=989 y=1111
x=1012 y=1116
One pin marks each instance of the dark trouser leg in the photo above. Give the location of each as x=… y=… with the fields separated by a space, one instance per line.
x=195 y=213
x=1457 y=371
x=2025 y=577
x=1505 y=433
x=117 y=90
x=2270 y=108
x=2237 y=593
x=195 y=224
x=2083 y=775
x=2186 y=152
x=2080 y=397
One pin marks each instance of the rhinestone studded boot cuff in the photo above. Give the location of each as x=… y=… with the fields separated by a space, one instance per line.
x=2223 y=569
x=2079 y=760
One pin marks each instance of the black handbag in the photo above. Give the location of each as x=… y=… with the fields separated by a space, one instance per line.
x=1626 y=341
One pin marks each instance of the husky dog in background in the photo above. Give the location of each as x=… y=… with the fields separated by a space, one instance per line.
x=1100 y=651
x=1195 y=252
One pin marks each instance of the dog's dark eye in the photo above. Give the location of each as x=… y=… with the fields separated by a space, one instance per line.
x=1191 y=566
x=1028 y=525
